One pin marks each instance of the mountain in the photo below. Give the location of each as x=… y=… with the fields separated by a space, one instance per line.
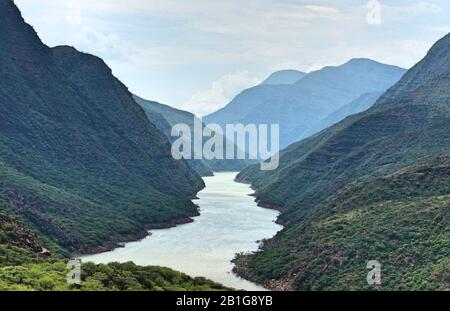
x=244 y=105
x=361 y=104
x=401 y=220
x=80 y=163
x=407 y=126
x=287 y=77
x=165 y=117
x=299 y=106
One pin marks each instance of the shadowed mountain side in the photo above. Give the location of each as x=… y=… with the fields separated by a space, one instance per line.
x=288 y=77
x=401 y=220
x=174 y=116
x=407 y=127
x=361 y=104
x=79 y=160
x=301 y=106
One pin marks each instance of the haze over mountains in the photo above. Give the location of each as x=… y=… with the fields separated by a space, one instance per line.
x=165 y=117
x=372 y=186
x=361 y=104
x=286 y=77
x=300 y=106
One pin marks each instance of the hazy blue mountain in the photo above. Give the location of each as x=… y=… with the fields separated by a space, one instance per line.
x=80 y=163
x=374 y=185
x=165 y=117
x=359 y=105
x=299 y=106
x=288 y=77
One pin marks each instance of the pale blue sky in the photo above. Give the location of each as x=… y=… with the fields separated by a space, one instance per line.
x=198 y=54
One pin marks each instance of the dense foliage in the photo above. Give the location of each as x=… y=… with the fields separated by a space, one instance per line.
x=52 y=276
x=386 y=218
x=26 y=265
x=17 y=244
x=79 y=160
x=401 y=220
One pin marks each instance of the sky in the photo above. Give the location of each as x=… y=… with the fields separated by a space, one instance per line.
x=197 y=55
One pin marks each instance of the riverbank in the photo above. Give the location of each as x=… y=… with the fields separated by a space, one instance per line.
x=120 y=241
x=230 y=222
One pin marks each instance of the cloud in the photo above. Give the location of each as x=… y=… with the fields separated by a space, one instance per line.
x=222 y=91
x=154 y=46
x=411 y=10
x=73 y=15
x=102 y=43
x=442 y=30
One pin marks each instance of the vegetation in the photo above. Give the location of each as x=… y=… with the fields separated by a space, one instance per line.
x=401 y=220
x=164 y=117
x=366 y=189
x=81 y=168
x=52 y=276
x=398 y=131
x=26 y=265
x=80 y=162
x=17 y=244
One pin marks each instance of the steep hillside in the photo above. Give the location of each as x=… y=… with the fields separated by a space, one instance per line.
x=411 y=121
x=396 y=131
x=245 y=104
x=301 y=106
x=361 y=104
x=80 y=162
x=156 y=112
x=174 y=116
x=17 y=244
x=401 y=220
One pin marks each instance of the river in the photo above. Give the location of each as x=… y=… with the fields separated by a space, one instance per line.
x=230 y=222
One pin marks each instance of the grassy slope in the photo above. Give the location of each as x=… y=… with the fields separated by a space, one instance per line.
x=402 y=127
x=407 y=124
x=402 y=220
x=79 y=160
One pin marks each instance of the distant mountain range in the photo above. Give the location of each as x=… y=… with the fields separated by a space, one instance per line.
x=300 y=105
x=165 y=117
x=374 y=186
x=84 y=164
x=361 y=104
x=80 y=163
x=286 y=77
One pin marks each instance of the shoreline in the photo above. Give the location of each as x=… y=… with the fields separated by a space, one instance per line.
x=238 y=269
x=240 y=261
x=119 y=242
